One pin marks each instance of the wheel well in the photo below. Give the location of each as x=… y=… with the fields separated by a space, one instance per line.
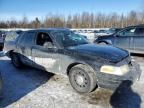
x=103 y=41
x=70 y=66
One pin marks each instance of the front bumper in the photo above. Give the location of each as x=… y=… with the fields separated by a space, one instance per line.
x=113 y=81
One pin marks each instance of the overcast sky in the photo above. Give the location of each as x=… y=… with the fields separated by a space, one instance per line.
x=32 y=8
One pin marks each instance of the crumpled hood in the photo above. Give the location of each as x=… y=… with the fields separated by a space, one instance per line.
x=110 y=53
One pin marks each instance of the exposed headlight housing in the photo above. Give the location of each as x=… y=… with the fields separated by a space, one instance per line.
x=115 y=70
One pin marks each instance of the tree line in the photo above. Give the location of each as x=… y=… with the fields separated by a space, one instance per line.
x=83 y=20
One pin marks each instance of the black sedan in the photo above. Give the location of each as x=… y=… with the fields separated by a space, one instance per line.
x=63 y=52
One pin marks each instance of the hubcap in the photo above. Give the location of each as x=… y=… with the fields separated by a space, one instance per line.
x=81 y=79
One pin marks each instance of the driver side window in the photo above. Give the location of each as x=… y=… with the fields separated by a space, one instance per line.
x=127 y=32
x=43 y=39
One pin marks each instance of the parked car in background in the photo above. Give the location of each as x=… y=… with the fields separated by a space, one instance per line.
x=2 y=37
x=130 y=38
x=61 y=51
x=113 y=30
x=101 y=32
x=10 y=34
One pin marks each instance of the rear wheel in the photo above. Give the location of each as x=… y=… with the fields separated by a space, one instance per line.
x=82 y=79
x=16 y=60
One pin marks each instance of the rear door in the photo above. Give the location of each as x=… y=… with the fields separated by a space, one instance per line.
x=45 y=57
x=24 y=46
x=123 y=39
x=138 y=40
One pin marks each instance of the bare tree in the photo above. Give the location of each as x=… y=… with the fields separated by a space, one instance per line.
x=83 y=20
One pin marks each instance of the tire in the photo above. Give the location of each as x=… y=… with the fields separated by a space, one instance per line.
x=16 y=60
x=82 y=78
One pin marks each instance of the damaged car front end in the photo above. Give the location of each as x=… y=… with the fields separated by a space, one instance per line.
x=111 y=65
x=111 y=76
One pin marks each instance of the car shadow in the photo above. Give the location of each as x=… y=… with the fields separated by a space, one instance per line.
x=18 y=83
x=125 y=97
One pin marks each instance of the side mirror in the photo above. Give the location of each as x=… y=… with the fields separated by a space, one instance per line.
x=48 y=45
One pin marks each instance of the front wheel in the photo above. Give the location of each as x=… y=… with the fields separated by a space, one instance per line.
x=82 y=79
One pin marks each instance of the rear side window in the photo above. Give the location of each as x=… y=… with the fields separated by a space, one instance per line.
x=127 y=32
x=11 y=36
x=27 y=38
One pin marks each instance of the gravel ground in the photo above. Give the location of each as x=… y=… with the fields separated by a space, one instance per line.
x=31 y=88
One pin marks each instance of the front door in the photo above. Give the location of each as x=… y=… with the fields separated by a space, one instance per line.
x=24 y=47
x=138 y=40
x=45 y=53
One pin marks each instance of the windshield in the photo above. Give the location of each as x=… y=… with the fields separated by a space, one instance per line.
x=69 y=38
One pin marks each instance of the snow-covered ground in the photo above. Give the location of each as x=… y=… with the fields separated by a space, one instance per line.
x=31 y=88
